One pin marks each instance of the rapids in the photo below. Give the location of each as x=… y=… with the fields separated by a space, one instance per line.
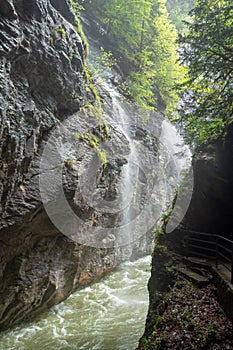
x=109 y=315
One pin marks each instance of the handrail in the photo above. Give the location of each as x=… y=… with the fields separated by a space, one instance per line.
x=221 y=252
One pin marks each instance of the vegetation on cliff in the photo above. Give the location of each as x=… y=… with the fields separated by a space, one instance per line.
x=182 y=316
x=143 y=39
x=191 y=319
x=143 y=36
x=206 y=49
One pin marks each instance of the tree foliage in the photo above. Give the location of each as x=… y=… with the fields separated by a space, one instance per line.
x=164 y=56
x=178 y=10
x=207 y=51
x=143 y=39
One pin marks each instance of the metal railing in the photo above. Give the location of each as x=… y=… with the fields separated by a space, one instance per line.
x=210 y=246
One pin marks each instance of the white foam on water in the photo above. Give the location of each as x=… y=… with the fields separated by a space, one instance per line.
x=107 y=315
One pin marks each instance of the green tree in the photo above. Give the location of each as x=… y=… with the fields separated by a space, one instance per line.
x=207 y=51
x=164 y=55
x=178 y=10
x=125 y=25
x=143 y=40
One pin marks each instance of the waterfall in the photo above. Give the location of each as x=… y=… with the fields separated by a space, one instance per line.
x=129 y=179
x=111 y=313
x=154 y=166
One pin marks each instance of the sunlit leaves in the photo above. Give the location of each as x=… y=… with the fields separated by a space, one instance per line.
x=143 y=39
x=208 y=53
x=167 y=70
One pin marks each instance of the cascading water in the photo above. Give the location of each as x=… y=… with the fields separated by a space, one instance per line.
x=110 y=315
x=130 y=170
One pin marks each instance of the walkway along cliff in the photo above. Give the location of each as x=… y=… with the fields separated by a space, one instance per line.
x=199 y=324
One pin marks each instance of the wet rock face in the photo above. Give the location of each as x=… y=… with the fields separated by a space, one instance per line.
x=210 y=211
x=42 y=85
x=211 y=205
x=41 y=81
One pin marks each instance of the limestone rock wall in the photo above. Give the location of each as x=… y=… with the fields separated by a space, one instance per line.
x=41 y=81
x=210 y=211
x=211 y=206
x=42 y=84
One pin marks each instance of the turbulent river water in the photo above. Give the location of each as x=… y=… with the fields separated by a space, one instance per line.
x=109 y=315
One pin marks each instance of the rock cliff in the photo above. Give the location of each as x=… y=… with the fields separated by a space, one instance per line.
x=44 y=92
x=211 y=206
x=40 y=84
x=210 y=211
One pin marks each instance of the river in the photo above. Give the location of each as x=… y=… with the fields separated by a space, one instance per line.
x=109 y=315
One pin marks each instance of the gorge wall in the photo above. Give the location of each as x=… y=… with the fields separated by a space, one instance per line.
x=39 y=84
x=210 y=211
x=211 y=206
x=44 y=87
